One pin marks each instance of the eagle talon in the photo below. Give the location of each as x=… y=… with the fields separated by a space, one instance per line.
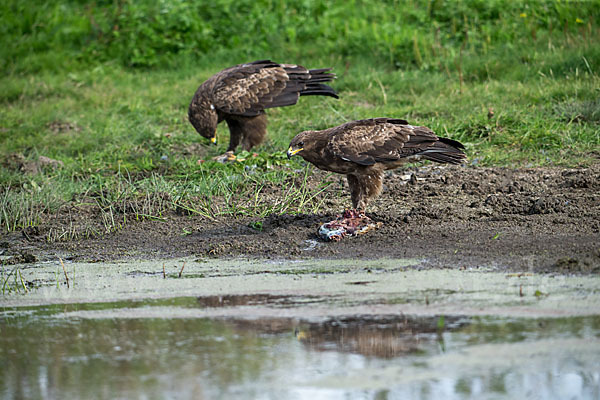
x=225 y=157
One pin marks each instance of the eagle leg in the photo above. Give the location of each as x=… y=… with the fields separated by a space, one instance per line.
x=364 y=186
x=254 y=131
x=247 y=131
x=235 y=133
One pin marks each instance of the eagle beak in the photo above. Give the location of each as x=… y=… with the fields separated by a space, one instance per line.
x=292 y=152
x=213 y=139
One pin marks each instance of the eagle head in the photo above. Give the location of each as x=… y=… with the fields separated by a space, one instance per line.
x=299 y=143
x=203 y=116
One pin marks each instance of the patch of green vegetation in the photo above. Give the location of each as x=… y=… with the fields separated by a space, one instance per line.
x=441 y=323
x=104 y=89
x=39 y=34
x=12 y=281
x=580 y=111
x=256 y=225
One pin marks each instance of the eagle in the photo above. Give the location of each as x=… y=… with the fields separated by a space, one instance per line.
x=363 y=150
x=240 y=94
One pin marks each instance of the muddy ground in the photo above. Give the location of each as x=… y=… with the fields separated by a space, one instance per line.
x=534 y=219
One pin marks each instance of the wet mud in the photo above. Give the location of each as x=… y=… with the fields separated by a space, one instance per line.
x=533 y=219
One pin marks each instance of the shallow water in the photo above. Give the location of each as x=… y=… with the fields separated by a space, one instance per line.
x=247 y=330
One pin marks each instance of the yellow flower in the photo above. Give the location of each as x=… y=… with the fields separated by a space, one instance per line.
x=579 y=21
x=523 y=15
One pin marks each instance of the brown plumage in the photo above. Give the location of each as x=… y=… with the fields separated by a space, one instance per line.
x=240 y=94
x=363 y=150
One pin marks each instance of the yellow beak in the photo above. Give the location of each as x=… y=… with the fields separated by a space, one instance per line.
x=292 y=152
x=213 y=140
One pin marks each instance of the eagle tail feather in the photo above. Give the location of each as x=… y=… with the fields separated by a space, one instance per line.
x=453 y=143
x=320 y=71
x=321 y=78
x=446 y=151
x=286 y=99
x=319 y=89
x=321 y=75
x=445 y=158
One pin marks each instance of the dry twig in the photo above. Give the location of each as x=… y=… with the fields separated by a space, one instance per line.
x=65 y=271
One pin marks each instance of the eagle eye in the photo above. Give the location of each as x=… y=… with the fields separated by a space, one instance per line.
x=301 y=144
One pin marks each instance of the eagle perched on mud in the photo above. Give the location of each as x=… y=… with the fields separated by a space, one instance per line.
x=240 y=94
x=363 y=150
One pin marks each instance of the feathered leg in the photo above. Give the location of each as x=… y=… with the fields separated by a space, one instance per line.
x=254 y=131
x=364 y=187
x=235 y=133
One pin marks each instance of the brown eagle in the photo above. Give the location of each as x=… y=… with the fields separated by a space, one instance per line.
x=240 y=94
x=363 y=150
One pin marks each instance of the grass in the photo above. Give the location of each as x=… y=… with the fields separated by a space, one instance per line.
x=77 y=90
x=12 y=281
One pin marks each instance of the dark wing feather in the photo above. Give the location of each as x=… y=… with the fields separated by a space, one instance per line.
x=314 y=83
x=453 y=143
x=248 y=89
x=367 y=142
x=243 y=90
x=445 y=151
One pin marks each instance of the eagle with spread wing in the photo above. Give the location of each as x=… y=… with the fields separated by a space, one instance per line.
x=240 y=94
x=363 y=150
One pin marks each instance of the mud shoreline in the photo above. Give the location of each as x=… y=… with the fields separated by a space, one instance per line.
x=525 y=219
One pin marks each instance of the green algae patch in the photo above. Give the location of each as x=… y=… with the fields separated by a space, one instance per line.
x=384 y=286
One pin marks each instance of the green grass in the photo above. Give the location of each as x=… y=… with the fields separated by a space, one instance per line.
x=105 y=89
x=12 y=280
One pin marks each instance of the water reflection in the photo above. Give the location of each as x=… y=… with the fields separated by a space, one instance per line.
x=257 y=299
x=388 y=357
x=382 y=336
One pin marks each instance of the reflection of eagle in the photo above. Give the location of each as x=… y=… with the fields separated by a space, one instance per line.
x=384 y=336
x=240 y=94
x=364 y=149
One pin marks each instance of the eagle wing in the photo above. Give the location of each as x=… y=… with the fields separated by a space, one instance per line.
x=247 y=89
x=367 y=142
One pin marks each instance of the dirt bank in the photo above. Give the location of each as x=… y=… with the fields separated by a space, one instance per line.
x=542 y=219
